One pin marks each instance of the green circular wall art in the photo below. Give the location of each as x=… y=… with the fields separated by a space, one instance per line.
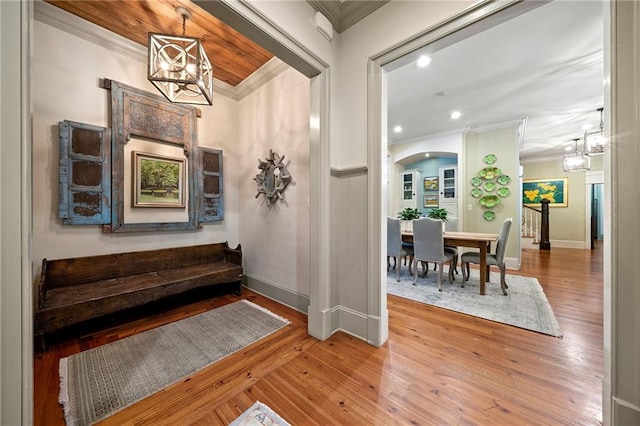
x=490 y=159
x=490 y=173
x=489 y=215
x=503 y=180
x=490 y=187
x=503 y=191
x=490 y=201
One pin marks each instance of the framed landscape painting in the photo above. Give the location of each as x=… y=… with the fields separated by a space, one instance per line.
x=430 y=200
x=158 y=181
x=554 y=190
x=431 y=183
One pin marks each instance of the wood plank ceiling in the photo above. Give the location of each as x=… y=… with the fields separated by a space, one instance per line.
x=233 y=56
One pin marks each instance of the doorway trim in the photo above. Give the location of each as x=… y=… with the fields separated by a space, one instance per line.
x=472 y=21
x=253 y=24
x=591 y=178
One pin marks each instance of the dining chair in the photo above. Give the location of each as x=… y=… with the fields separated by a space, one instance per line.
x=496 y=259
x=428 y=246
x=394 y=246
x=451 y=225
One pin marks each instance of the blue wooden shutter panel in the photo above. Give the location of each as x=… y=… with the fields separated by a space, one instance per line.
x=84 y=174
x=211 y=185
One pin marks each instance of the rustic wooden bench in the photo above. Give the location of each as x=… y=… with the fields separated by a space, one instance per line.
x=78 y=289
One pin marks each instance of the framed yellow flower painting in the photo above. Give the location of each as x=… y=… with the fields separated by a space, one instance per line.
x=554 y=190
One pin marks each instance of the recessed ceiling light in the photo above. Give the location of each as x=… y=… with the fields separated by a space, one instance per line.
x=424 y=61
x=426 y=155
x=455 y=115
x=397 y=129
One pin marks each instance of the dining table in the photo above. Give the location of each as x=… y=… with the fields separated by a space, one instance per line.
x=479 y=240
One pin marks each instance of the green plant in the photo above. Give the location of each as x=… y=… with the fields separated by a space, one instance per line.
x=441 y=214
x=409 y=214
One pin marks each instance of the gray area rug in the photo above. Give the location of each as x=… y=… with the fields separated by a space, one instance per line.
x=101 y=381
x=525 y=306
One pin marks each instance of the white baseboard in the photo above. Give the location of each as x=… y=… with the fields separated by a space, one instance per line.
x=273 y=291
x=527 y=243
x=568 y=244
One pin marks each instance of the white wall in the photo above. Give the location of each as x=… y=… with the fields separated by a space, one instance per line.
x=375 y=34
x=66 y=73
x=275 y=238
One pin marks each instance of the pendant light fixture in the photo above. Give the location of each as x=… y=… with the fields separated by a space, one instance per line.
x=594 y=141
x=577 y=161
x=179 y=66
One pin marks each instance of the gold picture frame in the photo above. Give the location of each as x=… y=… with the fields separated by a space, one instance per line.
x=158 y=181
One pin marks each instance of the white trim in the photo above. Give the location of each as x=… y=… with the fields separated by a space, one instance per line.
x=26 y=208
x=246 y=18
x=484 y=127
x=473 y=19
x=273 y=291
x=349 y=171
x=591 y=177
x=74 y=25
x=572 y=244
x=85 y=30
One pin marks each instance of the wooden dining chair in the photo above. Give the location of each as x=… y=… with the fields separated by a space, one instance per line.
x=428 y=246
x=496 y=259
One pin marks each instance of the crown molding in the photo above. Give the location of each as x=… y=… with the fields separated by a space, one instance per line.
x=260 y=77
x=61 y=19
x=344 y=13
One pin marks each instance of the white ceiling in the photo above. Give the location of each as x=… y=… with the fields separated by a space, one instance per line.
x=546 y=65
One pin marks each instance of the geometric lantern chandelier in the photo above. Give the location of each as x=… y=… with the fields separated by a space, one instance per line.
x=594 y=141
x=577 y=161
x=179 y=66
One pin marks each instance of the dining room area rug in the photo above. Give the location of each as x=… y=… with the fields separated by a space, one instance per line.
x=98 y=382
x=524 y=306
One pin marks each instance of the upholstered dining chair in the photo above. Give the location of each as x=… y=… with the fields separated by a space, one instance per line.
x=451 y=225
x=428 y=246
x=496 y=259
x=394 y=246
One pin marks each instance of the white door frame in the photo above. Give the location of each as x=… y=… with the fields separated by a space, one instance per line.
x=591 y=178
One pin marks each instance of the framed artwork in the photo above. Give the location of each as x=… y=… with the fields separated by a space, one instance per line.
x=430 y=200
x=554 y=190
x=431 y=183
x=158 y=181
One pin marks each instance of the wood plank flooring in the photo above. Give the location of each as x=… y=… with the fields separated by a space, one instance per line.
x=437 y=368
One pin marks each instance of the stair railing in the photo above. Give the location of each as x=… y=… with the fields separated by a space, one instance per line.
x=535 y=224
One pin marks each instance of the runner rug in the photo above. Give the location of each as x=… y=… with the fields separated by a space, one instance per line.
x=525 y=304
x=101 y=381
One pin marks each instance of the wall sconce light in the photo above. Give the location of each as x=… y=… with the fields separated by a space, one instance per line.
x=179 y=66
x=594 y=141
x=576 y=161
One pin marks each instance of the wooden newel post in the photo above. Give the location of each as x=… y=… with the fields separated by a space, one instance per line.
x=545 y=244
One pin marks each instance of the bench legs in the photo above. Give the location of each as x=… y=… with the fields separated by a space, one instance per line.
x=238 y=290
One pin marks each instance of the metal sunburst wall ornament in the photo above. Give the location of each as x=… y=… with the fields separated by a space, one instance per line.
x=273 y=177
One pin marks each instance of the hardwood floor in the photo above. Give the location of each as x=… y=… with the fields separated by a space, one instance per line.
x=438 y=367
